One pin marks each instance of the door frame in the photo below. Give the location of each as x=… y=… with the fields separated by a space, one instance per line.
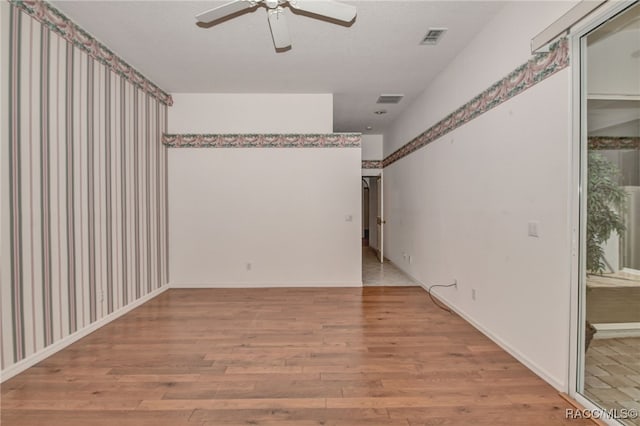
x=380 y=218
x=378 y=174
x=365 y=202
x=577 y=208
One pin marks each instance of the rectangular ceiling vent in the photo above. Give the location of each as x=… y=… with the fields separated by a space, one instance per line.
x=389 y=99
x=433 y=36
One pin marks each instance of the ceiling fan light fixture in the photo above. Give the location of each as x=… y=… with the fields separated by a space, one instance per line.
x=380 y=112
x=279 y=30
x=271 y=4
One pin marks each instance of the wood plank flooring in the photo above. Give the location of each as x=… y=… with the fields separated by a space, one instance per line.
x=372 y=356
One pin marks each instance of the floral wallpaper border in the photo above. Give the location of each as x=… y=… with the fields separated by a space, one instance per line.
x=58 y=22
x=371 y=164
x=538 y=68
x=292 y=140
x=612 y=142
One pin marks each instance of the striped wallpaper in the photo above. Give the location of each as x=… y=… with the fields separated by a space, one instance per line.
x=84 y=215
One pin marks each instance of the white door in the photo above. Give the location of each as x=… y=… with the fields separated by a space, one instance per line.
x=380 y=220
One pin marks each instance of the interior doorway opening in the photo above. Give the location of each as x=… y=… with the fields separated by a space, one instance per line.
x=372 y=215
x=376 y=269
x=369 y=212
x=365 y=212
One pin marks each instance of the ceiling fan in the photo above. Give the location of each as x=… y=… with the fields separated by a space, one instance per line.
x=275 y=10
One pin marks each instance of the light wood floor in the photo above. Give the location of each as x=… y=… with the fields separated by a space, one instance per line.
x=374 y=356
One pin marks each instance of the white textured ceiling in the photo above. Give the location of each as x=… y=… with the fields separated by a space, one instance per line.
x=379 y=53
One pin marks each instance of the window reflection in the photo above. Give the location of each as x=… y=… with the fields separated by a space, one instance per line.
x=612 y=330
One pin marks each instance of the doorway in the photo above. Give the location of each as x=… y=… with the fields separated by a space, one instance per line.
x=376 y=269
x=372 y=215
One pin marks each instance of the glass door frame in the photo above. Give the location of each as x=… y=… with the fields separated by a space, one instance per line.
x=578 y=209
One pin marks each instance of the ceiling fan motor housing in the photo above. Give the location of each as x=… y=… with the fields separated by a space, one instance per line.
x=272 y=4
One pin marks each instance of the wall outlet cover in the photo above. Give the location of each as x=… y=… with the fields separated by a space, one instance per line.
x=534 y=228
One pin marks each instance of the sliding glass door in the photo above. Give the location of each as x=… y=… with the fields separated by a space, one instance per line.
x=609 y=352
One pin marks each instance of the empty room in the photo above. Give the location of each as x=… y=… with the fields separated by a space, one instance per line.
x=319 y=212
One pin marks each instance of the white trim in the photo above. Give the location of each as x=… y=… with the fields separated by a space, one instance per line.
x=617 y=330
x=589 y=405
x=605 y=97
x=575 y=219
x=540 y=372
x=578 y=213
x=269 y=284
x=600 y=17
x=35 y=358
x=371 y=172
x=564 y=23
x=582 y=152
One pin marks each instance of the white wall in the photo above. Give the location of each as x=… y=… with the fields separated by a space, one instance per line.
x=613 y=67
x=372 y=147
x=477 y=67
x=372 y=150
x=251 y=113
x=284 y=210
x=628 y=129
x=460 y=206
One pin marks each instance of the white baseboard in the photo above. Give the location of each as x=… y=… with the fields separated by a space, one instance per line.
x=35 y=358
x=540 y=372
x=259 y=284
x=617 y=330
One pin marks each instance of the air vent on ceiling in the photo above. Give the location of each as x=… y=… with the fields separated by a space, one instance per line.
x=389 y=99
x=433 y=36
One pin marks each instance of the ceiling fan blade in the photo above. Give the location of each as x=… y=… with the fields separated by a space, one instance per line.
x=279 y=28
x=225 y=10
x=330 y=9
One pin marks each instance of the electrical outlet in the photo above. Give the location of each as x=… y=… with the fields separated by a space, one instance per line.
x=455 y=284
x=534 y=229
x=410 y=259
x=473 y=294
x=248 y=266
